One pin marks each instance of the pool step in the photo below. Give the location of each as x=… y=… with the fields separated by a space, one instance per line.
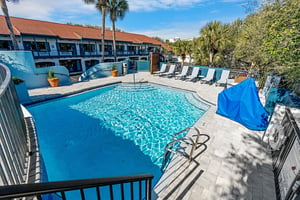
x=135 y=87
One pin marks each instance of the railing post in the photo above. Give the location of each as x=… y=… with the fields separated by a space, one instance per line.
x=148 y=188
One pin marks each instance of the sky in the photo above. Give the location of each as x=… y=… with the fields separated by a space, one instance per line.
x=166 y=19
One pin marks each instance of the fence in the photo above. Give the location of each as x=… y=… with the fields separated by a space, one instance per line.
x=13 y=142
x=286 y=160
x=123 y=187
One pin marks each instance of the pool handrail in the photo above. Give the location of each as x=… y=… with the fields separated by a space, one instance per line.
x=169 y=146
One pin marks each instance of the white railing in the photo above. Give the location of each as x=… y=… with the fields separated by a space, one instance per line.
x=13 y=142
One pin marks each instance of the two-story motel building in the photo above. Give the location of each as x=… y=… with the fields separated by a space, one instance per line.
x=75 y=47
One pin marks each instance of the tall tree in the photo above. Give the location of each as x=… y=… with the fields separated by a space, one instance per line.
x=101 y=5
x=212 y=36
x=8 y=23
x=116 y=10
x=180 y=48
x=282 y=39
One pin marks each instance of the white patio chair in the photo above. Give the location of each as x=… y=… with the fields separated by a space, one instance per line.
x=194 y=74
x=170 y=73
x=224 y=78
x=162 y=69
x=183 y=73
x=209 y=76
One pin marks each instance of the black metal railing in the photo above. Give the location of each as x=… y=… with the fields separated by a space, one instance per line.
x=285 y=160
x=66 y=54
x=122 y=187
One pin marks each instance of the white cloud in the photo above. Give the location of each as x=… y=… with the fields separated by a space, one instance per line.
x=76 y=11
x=44 y=9
x=184 y=30
x=150 y=5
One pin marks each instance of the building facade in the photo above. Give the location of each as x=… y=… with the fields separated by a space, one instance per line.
x=75 y=47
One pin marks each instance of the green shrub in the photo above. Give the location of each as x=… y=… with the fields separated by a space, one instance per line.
x=17 y=81
x=51 y=74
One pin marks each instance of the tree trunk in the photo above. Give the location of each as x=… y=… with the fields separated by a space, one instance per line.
x=114 y=40
x=211 y=56
x=103 y=32
x=9 y=25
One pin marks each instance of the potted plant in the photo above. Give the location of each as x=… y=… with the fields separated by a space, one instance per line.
x=53 y=81
x=114 y=71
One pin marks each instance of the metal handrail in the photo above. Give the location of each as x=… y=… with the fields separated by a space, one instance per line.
x=5 y=73
x=170 y=145
x=38 y=189
x=14 y=149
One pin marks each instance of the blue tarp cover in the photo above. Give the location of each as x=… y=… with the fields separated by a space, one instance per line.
x=241 y=104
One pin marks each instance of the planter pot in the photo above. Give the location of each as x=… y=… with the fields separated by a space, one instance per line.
x=114 y=73
x=53 y=82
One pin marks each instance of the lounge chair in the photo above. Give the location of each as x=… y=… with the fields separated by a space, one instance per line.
x=194 y=74
x=170 y=73
x=162 y=69
x=183 y=73
x=224 y=78
x=209 y=76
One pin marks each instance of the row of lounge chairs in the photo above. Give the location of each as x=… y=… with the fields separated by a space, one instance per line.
x=183 y=75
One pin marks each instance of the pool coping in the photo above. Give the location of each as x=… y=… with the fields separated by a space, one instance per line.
x=45 y=99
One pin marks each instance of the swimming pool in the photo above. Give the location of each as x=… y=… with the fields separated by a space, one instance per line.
x=112 y=131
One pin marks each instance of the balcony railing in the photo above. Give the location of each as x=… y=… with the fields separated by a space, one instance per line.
x=124 y=187
x=67 y=54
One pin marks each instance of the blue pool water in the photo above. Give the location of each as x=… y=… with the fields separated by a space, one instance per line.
x=112 y=131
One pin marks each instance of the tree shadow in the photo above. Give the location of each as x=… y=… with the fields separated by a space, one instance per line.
x=181 y=173
x=252 y=176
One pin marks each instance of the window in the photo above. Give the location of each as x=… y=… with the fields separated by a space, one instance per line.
x=89 y=47
x=143 y=49
x=74 y=66
x=131 y=48
x=120 y=47
x=65 y=46
x=44 y=64
x=42 y=46
x=36 y=46
x=4 y=45
x=108 y=47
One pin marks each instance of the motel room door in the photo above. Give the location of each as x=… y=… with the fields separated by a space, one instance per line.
x=154 y=62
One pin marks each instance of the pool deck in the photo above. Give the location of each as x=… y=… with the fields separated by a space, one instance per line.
x=230 y=161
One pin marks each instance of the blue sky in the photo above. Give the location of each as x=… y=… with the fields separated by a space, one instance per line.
x=163 y=18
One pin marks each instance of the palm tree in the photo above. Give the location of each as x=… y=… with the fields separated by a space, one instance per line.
x=8 y=23
x=181 y=48
x=116 y=9
x=212 y=36
x=101 y=5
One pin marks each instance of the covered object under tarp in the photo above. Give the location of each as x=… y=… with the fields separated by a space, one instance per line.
x=241 y=104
